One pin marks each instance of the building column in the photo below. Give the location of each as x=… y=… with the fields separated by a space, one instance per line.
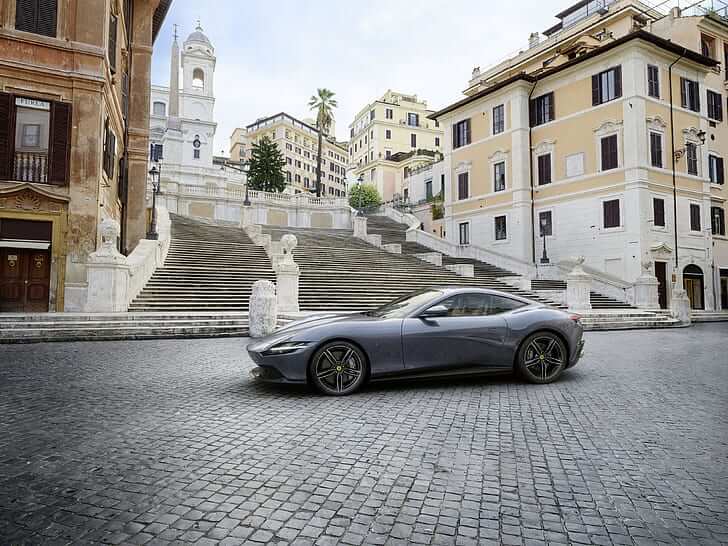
x=138 y=148
x=521 y=227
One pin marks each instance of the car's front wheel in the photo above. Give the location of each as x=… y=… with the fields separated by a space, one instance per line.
x=542 y=357
x=338 y=368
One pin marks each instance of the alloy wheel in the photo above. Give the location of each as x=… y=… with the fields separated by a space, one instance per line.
x=338 y=368
x=544 y=358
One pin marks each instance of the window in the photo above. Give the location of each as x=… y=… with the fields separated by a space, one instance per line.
x=371 y=115
x=389 y=113
x=542 y=109
x=607 y=85
x=442 y=184
x=501 y=232
x=464 y=233
x=428 y=189
x=198 y=78
x=196 y=147
x=691 y=156
x=437 y=141
x=413 y=120
x=413 y=140
x=479 y=305
x=387 y=154
x=36 y=16
x=388 y=134
x=157 y=152
x=288 y=176
x=159 y=109
x=31 y=135
x=297 y=178
x=656 y=149
x=499 y=176
x=715 y=106
x=689 y=94
x=610 y=155
x=113 y=28
x=694 y=217
x=196 y=154
x=611 y=213
x=653 y=81
x=463 y=185
x=658 y=211
x=499 y=120
x=461 y=133
x=544 y=169
x=544 y=223
x=717 y=220
x=707 y=46
x=715 y=167
x=109 y=153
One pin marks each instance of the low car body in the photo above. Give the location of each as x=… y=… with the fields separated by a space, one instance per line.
x=415 y=338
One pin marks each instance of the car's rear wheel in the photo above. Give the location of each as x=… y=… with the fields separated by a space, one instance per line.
x=542 y=357
x=338 y=368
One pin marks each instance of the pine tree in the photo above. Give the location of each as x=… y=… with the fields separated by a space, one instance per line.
x=266 y=167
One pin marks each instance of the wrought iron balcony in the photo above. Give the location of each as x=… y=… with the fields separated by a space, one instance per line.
x=31 y=167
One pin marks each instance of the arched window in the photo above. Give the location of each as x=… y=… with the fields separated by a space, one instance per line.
x=159 y=109
x=198 y=78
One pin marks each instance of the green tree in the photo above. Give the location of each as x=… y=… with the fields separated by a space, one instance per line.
x=266 y=167
x=324 y=103
x=364 y=195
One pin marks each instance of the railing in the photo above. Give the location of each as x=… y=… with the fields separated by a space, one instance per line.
x=255 y=196
x=30 y=167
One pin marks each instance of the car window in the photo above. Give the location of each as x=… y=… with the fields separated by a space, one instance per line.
x=478 y=305
x=402 y=307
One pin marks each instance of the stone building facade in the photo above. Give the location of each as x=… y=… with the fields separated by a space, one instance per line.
x=74 y=118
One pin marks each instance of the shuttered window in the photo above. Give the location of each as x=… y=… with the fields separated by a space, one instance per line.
x=499 y=119
x=653 y=81
x=113 y=28
x=689 y=94
x=463 y=183
x=461 y=133
x=542 y=109
x=715 y=106
x=656 y=150
x=544 y=169
x=717 y=219
x=607 y=85
x=499 y=176
x=658 y=210
x=109 y=158
x=610 y=154
x=691 y=157
x=717 y=174
x=694 y=217
x=501 y=229
x=52 y=168
x=36 y=16
x=611 y=213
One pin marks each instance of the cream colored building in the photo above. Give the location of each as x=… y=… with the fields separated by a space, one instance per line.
x=396 y=123
x=577 y=131
x=298 y=142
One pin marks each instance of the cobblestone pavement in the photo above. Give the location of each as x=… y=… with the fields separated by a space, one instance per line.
x=170 y=441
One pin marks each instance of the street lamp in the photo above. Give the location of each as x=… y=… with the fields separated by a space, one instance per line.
x=246 y=201
x=154 y=173
x=360 y=180
x=544 y=256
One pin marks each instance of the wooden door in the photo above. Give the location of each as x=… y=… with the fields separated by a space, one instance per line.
x=24 y=280
x=661 y=274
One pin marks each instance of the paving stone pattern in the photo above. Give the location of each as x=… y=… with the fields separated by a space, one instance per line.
x=169 y=441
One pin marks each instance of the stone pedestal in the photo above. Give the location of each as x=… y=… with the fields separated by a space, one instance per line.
x=578 y=288
x=464 y=270
x=247 y=216
x=287 y=276
x=680 y=304
x=645 y=292
x=262 y=315
x=393 y=248
x=360 y=227
x=107 y=274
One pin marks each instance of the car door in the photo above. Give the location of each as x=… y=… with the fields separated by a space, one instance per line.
x=468 y=336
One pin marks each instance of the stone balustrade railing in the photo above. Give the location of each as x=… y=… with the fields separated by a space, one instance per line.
x=300 y=199
x=148 y=255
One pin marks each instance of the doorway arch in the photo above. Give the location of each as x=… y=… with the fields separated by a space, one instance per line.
x=693 y=284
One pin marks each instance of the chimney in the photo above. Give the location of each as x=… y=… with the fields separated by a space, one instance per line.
x=675 y=12
x=534 y=39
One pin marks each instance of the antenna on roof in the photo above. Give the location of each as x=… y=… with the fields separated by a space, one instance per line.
x=175 y=31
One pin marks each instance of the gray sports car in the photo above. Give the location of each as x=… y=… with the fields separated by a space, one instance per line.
x=433 y=332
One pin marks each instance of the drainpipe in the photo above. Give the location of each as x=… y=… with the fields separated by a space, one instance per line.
x=125 y=174
x=672 y=140
x=530 y=176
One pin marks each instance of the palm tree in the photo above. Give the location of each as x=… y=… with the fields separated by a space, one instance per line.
x=324 y=102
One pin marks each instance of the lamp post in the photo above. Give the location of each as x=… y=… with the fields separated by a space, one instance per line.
x=246 y=201
x=360 y=180
x=544 y=256
x=154 y=173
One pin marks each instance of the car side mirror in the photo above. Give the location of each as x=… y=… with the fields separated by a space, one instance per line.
x=435 y=311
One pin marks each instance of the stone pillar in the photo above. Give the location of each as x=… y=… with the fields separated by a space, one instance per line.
x=360 y=227
x=578 y=288
x=247 y=216
x=645 y=288
x=107 y=274
x=680 y=304
x=263 y=313
x=287 y=275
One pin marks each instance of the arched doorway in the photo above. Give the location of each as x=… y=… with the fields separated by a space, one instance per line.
x=693 y=284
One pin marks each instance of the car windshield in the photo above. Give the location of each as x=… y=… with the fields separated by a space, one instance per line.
x=403 y=306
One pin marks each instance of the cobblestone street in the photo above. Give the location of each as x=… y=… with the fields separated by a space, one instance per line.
x=170 y=441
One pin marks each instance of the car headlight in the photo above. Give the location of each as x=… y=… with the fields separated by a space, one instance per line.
x=285 y=347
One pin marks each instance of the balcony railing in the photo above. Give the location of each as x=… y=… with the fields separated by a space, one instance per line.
x=30 y=167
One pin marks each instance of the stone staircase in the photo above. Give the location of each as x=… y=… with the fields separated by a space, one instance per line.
x=209 y=268
x=394 y=232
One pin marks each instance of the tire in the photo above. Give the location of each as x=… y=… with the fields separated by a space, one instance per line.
x=338 y=368
x=542 y=358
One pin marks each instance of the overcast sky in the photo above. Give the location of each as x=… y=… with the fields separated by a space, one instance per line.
x=273 y=54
